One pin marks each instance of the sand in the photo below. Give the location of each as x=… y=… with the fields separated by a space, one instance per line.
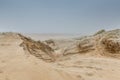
x=15 y=64
x=83 y=58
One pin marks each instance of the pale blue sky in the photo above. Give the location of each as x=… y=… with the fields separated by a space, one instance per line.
x=59 y=16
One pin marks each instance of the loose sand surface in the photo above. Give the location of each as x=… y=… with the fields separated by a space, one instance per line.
x=28 y=62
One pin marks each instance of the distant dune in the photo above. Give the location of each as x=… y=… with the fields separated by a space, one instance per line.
x=60 y=57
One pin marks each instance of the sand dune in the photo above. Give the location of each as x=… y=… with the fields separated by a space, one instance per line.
x=15 y=64
x=94 y=57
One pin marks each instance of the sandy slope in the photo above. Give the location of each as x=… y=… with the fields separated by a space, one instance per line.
x=88 y=61
x=16 y=65
x=91 y=68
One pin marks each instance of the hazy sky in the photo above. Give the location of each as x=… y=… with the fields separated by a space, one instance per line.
x=59 y=16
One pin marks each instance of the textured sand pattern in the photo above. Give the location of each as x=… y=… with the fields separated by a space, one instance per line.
x=94 y=57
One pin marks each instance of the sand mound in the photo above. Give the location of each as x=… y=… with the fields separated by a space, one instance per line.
x=85 y=44
x=15 y=64
x=109 y=43
x=105 y=43
x=38 y=49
